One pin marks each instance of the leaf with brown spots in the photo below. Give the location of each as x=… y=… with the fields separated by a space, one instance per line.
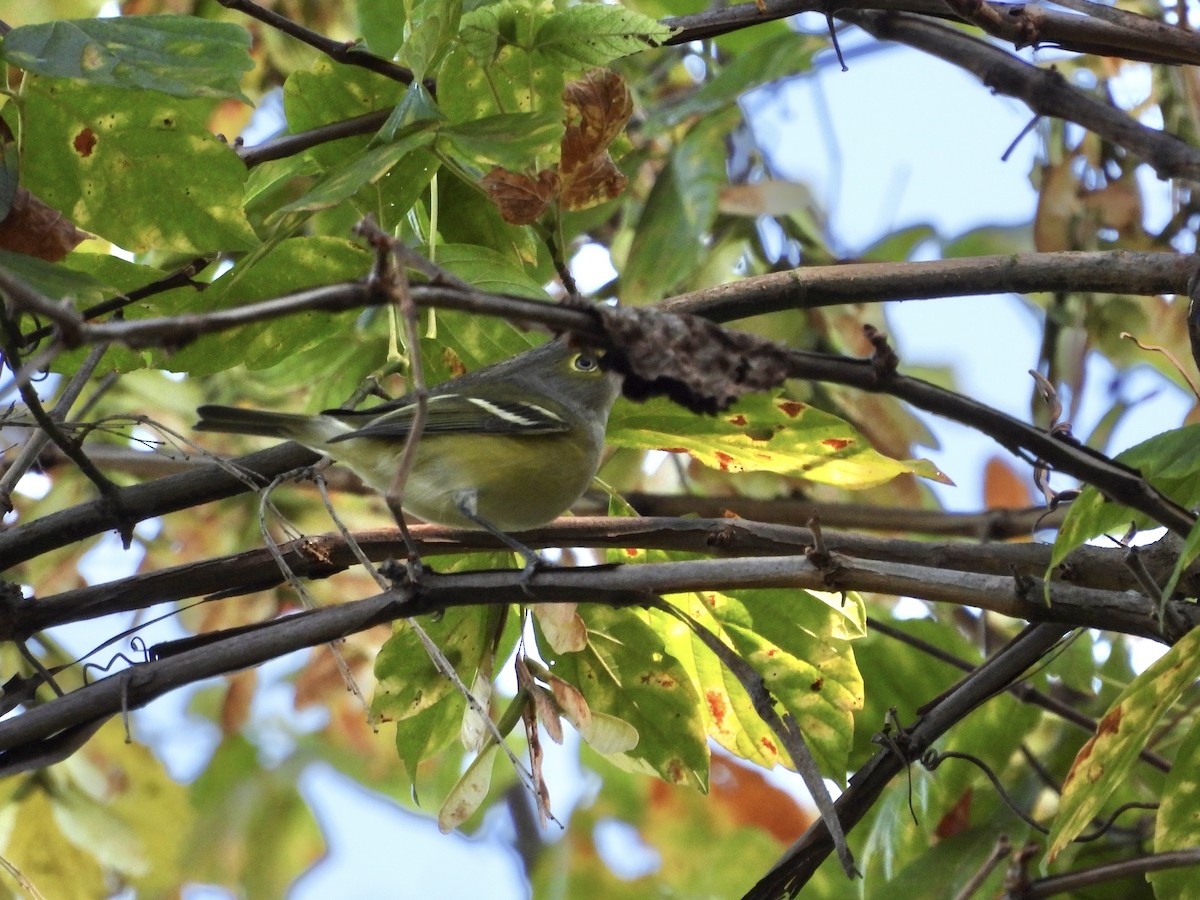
x=628 y=678
x=764 y=434
x=1104 y=762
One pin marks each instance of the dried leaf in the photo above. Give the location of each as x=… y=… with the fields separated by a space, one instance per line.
x=562 y=626
x=764 y=198
x=521 y=199
x=609 y=734
x=474 y=727
x=596 y=181
x=547 y=713
x=235 y=709
x=1003 y=488
x=540 y=789
x=469 y=791
x=35 y=229
x=597 y=107
x=571 y=703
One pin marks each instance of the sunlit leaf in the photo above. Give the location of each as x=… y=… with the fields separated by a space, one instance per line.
x=626 y=672
x=184 y=56
x=1177 y=827
x=1105 y=760
x=765 y=435
x=99 y=146
x=1168 y=461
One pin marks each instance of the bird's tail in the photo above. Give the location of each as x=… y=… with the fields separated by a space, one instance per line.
x=235 y=420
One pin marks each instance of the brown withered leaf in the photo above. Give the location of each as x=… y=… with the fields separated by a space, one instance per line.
x=521 y=199
x=597 y=106
x=35 y=229
x=696 y=363
x=597 y=181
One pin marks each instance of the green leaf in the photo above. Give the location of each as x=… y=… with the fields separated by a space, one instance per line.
x=1168 y=461
x=382 y=25
x=1105 y=760
x=292 y=265
x=38 y=848
x=58 y=281
x=899 y=245
x=253 y=829
x=678 y=214
x=123 y=277
x=416 y=106
x=434 y=24
x=183 y=56
x=420 y=736
x=89 y=150
x=763 y=434
x=990 y=239
x=367 y=167
x=331 y=93
x=1187 y=555
x=594 y=34
x=476 y=220
x=494 y=68
x=626 y=671
x=798 y=641
x=408 y=683
x=1177 y=825
x=489 y=270
x=778 y=57
x=512 y=140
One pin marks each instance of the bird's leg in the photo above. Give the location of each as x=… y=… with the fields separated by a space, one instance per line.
x=466 y=503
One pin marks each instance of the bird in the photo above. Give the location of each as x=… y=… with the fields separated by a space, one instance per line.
x=508 y=447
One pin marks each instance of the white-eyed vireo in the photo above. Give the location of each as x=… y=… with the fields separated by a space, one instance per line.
x=507 y=447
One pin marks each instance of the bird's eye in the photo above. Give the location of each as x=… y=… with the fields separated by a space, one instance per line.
x=586 y=363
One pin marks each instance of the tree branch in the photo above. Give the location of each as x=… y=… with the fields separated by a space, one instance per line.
x=797 y=866
x=1044 y=91
x=1100 y=582
x=1125 y=35
x=813 y=287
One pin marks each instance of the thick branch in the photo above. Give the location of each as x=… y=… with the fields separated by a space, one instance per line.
x=1097 y=593
x=143 y=501
x=1126 y=36
x=1044 y=91
x=1115 y=481
x=811 y=287
x=617 y=586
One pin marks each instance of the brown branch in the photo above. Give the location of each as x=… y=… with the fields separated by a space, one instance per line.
x=1137 y=867
x=1126 y=35
x=985 y=525
x=1024 y=692
x=1043 y=90
x=1009 y=586
x=291 y=144
x=1113 y=480
x=812 y=287
x=1120 y=272
x=348 y=54
x=143 y=501
x=614 y=586
x=800 y=862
